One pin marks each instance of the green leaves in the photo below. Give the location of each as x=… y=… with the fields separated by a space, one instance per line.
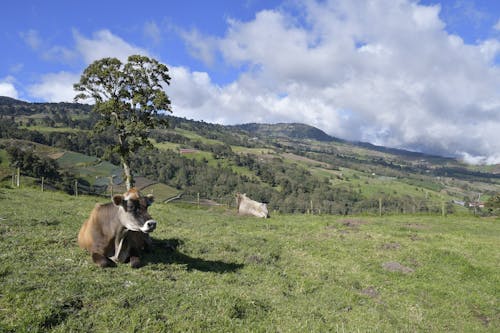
x=128 y=98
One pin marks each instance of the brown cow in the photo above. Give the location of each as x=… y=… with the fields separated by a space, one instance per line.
x=247 y=206
x=118 y=231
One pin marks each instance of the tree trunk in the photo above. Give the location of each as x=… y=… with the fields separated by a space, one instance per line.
x=129 y=179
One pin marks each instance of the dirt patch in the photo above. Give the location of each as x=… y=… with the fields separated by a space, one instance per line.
x=414 y=238
x=483 y=318
x=254 y=259
x=417 y=226
x=353 y=223
x=391 y=246
x=56 y=156
x=371 y=292
x=393 y=266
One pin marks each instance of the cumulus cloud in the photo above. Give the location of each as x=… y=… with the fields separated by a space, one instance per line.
x=382 y=71
x=55 y=87
x=104 y=44
x=199 y=46
x=7 y=87
x=58 y=87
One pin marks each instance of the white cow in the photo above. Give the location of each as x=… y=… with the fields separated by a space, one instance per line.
x=247 y=206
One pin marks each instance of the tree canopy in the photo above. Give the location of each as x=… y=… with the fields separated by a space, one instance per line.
x=128 y=97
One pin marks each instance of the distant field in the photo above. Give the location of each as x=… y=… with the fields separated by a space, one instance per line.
x=255 y=151
x=47 y=129
x=213 y=271
x=72 y=159
x=194 y=136
x=160 y=191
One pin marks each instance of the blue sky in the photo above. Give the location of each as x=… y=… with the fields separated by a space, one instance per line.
x=421 y=75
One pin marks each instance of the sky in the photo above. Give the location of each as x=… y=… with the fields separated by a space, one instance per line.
x=417 y=75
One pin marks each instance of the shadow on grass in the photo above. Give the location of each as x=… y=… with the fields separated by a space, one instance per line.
x=166 y=251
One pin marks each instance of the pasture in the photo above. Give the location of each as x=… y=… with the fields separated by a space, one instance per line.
x=213 y=271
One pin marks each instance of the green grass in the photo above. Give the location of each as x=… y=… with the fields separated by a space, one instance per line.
x=48 y=129
x=160 y=191
x=5 y=170
x=72 y=159
x=213 y=271
x=194 y=136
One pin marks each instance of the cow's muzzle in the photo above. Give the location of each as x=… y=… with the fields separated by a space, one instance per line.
x=149 y=226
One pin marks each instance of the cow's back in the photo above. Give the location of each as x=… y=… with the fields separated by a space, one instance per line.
x=247 y=206
x=97 y=232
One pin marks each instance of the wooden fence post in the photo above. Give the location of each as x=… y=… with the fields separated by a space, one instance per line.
x=76 y=188
x=43 y=178
x=380 y=206
x=18 y=177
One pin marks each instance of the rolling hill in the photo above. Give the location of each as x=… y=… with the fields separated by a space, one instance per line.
x=294 y=167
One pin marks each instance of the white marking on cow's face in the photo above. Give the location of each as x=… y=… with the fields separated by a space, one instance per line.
x=148 y=226
x=134 y=212
x=134 y=222
x=129 y=221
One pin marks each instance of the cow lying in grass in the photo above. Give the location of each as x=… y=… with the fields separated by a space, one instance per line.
x=247 y=206
x=118 y=231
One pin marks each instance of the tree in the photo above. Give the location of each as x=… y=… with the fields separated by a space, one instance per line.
x=128 y=97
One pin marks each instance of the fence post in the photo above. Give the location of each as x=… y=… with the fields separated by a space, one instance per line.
x=76 y=188
x=43 y=178
x=18 y=177
x=111 y=185
x=380 y=206
x=198 y=199
x=443 y=211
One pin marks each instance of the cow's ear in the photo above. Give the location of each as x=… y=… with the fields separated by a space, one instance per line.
x=118 y=200
x=150 y=199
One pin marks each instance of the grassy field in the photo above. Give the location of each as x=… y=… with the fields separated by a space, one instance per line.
x=213 y=271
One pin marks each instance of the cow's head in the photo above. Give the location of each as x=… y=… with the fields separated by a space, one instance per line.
x=133 y=208
x=239 y=198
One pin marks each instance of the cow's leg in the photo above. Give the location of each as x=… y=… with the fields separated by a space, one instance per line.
x=135 y=260
x=102 y=261
x=148 y=243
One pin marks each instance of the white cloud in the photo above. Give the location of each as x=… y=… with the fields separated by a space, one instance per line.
x=32 y=38
x=199 y=46
x=497 y=25
x=152 y=32
x=104 y=44
x=55 y=87
x=7 y=87
x=58 y=87
x=479 y=160
x=385 y=72
x=60 y=54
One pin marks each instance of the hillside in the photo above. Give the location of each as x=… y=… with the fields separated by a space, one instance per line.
x=281 y=130
x=293 y=167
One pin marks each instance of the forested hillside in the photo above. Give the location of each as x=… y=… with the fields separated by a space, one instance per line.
x=293 y=167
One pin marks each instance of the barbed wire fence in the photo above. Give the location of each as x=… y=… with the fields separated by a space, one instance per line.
x=381 y=206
